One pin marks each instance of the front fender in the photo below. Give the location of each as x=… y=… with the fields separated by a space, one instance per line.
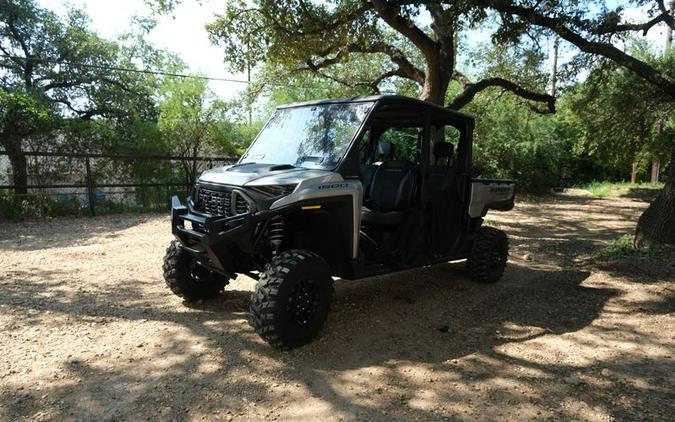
x=307 y=193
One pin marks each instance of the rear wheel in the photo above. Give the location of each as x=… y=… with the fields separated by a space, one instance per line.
x=488 y=256
x=292 y=299
x=187 y=278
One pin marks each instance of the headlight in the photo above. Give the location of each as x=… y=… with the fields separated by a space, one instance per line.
x=275 y=190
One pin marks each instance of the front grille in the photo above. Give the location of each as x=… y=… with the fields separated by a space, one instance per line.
x=240 y=206
x=219 y=203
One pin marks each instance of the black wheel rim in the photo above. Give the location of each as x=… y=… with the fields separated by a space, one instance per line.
x=199 y=273
x=303 y=302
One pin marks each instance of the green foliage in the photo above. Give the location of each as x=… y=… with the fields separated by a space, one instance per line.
x=622 y=247
x=60 y=92
x=306 y=51
x=41 y=206
x=23 y=113
x=269 y=31
x=404 y=141
x=605 y=189
x=14 y=207
x=623 y=119
x=69 y=64
x=56 y=70
x=515 y=143
x=191 y=120
x=277 y=86
x=521 y=63
x=617 y=248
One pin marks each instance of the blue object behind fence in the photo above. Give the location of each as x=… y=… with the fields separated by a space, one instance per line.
x=99 y=197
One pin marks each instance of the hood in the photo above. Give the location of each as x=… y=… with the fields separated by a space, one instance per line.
x=254 y=174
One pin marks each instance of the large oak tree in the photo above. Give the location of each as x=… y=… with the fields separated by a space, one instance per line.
x=312 y=36
x=325 y=34
x=53 y=67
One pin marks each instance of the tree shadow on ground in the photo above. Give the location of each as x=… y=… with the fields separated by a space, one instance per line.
x=423 y=344
x=388 y=327
x=642 y=194
x=68 y=231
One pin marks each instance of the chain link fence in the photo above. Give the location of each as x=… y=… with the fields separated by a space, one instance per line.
x=64 y=183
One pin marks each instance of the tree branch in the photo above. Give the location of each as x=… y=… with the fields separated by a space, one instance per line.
x=373 y=85
x=18 y=38
x=321 y=27
x=558 y=25
x=406 y=68
x=376 y=82
x=78 y=82
x=62 y=84
x=405 y=27
x=314 y=67
x=461 y=78
x=16 y=60
x=28 y=66
x=605 y=29
x=670 y=20
x=471 y=89
x=82 y=114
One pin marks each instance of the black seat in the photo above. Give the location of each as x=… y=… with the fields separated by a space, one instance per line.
x=367 y=174
x=391 y=193
x=384 y=152
x=436 y=174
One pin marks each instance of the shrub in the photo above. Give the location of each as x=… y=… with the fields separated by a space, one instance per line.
x=617 y=248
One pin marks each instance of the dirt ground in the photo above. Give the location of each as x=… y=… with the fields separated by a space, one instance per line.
x=89 y=332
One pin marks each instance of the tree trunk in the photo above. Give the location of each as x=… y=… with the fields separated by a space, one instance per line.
x=634 y=172
x=19 y=164
x=554 y=69
x=657 y=224
x=656 y=169
x=435 y=83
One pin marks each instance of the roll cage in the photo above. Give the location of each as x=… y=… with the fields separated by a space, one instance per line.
x=400 y=111
x=404 y=112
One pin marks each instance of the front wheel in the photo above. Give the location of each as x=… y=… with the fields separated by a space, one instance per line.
x=186 y=278
x=488 y=256
x=292 y=299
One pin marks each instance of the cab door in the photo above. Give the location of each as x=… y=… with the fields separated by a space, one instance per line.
x=443 y=196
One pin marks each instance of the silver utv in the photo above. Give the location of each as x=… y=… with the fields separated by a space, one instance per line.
x=336 y=188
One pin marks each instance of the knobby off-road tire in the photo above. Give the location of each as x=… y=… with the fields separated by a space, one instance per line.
x=292 y=299
x=186 y=279
x=489 y=254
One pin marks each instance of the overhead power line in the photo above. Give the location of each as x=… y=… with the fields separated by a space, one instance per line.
x=125 y=69
x=151 y=72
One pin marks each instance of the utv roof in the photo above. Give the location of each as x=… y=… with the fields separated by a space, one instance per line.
x=404 y=110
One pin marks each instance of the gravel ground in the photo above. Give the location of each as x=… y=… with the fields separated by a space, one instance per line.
x=89 y=332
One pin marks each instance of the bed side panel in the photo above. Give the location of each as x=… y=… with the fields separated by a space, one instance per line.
x=491 y=194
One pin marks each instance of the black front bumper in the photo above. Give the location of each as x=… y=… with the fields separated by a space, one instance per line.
x=208 y=233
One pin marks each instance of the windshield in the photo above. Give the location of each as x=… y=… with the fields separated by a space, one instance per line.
x=314 y=136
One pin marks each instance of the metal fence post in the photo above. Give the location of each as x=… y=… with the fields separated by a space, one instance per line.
x=90 y=188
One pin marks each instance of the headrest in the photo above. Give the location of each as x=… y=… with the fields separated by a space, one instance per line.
x=443 y=150
x=385 y=148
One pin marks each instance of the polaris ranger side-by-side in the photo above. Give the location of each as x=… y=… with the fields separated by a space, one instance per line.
x=344 y=188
